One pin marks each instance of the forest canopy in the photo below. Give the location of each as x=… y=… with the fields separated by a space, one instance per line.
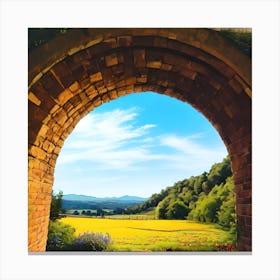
x=208 y=197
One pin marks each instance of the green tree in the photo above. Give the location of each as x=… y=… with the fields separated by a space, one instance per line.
x=88 y=213
x=187 y=197
x=206 y=187
x=219 y=172
x=226 y=214
x=210 y=208
x=205 y=208
x=198 y=182
x=206 y=198
x=56 y=207
x=177 y=210
x=161 y=209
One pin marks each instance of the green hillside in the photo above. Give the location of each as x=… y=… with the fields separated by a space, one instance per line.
x=205 y=198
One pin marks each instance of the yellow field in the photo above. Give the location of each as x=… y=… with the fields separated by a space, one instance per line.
x=154 y=235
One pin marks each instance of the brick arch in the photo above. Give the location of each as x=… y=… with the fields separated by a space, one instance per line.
x=74 y=73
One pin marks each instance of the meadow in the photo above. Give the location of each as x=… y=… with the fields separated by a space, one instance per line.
x=155 y=235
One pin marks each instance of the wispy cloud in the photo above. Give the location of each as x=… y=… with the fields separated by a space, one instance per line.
x=189 y=147
x=115 y=140
x=112 y=139
x=188 y=154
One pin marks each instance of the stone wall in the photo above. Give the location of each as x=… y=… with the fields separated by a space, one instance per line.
x=72 y=74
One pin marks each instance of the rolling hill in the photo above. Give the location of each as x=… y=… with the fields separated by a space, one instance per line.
x=208 y=197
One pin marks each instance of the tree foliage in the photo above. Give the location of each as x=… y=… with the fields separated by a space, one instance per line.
x=242 y=40
x=39 y=36
x=56 y=207
x=177 y=210
x=150 y=203
x=206 y=198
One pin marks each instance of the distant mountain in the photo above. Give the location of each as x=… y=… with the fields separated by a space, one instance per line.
x=130 y=198
x=80 y=197
x=75 y=201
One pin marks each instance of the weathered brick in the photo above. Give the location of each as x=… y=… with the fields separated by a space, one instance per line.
x=121 y=91
x=244 y=209
x=37 y=153
x=117 y=70
x=124 y=41
x=64 y=96
x=51 y=85
x=139 y=58
x=75 y=87
x=248 y=220
x=96 y=77
x=234 y=83
x=244 y=200
x=172 y=59
x=166 y=67
x=36 y=113
x=111 y=60
x=154 y=64
x=143 y=41
x=33 y=98
x=48 y=146
x=113 y=94
x=57 y=150
x=188 y=73
x=142 y=79
x=63 y=74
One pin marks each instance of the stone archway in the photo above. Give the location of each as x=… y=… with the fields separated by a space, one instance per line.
x=74 y=73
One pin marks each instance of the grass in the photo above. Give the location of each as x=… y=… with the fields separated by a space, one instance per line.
x=155 y=235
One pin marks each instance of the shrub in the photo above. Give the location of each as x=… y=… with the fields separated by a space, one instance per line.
x=59 y=236
x=90 y=241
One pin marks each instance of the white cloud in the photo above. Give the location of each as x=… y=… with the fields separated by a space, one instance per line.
x=188 y=146
x=115 y=140
x=190 y=155
x=113 y=153
x=112 y=139
x=117 y=125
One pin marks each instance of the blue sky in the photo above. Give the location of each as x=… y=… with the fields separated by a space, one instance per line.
x=136 y=145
